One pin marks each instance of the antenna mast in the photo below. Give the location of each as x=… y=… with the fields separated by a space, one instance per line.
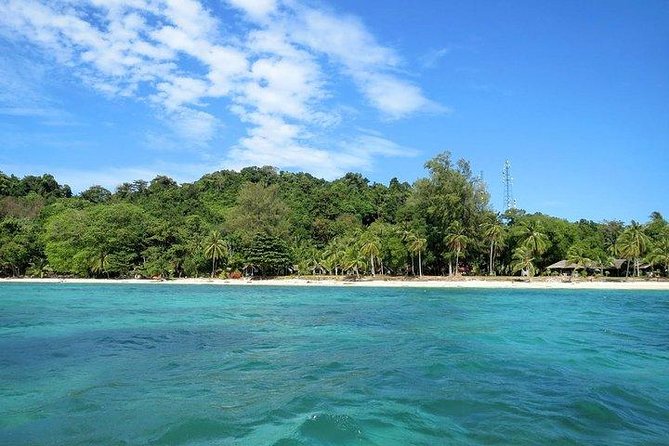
x=507 y=180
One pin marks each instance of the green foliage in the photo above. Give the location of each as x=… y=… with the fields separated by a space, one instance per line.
x=100 y=240
x=270 y=254
x=259 y=210
x=96 y=194
x=215 y=249
x=523 y=261
x=286 y=221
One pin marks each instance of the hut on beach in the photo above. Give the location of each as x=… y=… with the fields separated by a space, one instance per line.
x=617 y=268
x=564 y=267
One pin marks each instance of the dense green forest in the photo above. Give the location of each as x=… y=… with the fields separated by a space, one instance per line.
x=264 y=222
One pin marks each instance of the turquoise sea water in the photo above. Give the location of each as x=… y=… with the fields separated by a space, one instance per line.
x=200 y=365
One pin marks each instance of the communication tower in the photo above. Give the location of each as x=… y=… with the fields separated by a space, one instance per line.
x=507 y=180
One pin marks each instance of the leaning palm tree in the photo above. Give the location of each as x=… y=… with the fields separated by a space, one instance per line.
x=457 y=241
x=604 y=260
x=578 y=257
x=215 y=249
x=533 y=238
x=353 y=260
x=493 y=231
x=417 y=245
x=523 y=261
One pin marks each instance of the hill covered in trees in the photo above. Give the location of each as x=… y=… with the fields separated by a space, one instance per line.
x=262 y=221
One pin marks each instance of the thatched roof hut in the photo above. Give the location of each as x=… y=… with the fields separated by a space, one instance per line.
x=564 y=265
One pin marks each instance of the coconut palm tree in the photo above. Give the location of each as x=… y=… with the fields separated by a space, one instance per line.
x=493 y=231
x=457 y=241
x=215 y=249
x=371 y=247
x=417 y=245
x=603 y=261
x=100 y=264
x=633 y=244
x=353 y=260
x=660 y=254
x=533 y=238
x=523 y=260
x=577 y=256
x=406 y=235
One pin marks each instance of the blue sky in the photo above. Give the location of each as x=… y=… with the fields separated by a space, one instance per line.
x=574 y=93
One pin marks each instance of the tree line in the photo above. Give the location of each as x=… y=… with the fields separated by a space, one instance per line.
x=261 y=221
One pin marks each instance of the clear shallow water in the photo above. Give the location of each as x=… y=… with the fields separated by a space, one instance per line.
x=196 y=365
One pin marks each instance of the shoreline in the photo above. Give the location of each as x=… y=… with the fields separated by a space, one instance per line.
x=425 y=282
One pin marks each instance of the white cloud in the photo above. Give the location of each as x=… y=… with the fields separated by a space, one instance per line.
x=276 y=74
x=395 y=97
x=372 y=66
x=255 y=8
x=194 y=126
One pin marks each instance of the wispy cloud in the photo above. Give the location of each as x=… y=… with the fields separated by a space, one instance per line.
x=21 y=94
x=273 y=73
x=433 y=57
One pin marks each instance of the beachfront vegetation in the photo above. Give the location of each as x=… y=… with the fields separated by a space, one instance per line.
x=260 y=221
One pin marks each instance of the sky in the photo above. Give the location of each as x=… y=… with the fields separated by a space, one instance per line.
x=575 y=94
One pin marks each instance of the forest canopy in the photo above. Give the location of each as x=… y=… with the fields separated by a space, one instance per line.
x=262 y=221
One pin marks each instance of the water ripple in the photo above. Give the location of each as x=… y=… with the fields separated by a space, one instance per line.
x=342 y=366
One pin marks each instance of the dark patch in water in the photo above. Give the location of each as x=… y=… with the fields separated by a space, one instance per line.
x=195 y=429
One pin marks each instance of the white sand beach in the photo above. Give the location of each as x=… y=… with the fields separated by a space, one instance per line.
x=426 y=282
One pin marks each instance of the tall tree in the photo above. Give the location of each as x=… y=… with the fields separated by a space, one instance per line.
x=660 y=253
x=416 y=246
x=533 y=238
x=259 y=210
x=215 y=248
x=523 y=260
x=493 y=231
x=370 y=246
x=633 y=243
x=457 y=241
x=270 y=254
x=578 y=256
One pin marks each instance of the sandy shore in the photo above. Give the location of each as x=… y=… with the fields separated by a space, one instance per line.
x=431 y=282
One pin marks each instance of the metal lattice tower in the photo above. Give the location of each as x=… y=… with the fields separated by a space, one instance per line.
x=507 y=180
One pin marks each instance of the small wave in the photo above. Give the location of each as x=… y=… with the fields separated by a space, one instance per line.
x=329 y=428
x=195 y=429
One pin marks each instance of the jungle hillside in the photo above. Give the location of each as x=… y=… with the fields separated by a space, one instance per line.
x=264 y=222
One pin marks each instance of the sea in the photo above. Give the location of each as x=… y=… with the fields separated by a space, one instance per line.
x=112 y=364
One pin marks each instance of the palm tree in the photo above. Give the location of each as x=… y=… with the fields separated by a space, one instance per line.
x=604 y=260
x=354 y=260
x=577 y=256
x=660 y=254
x=633 y=243
x=494 y=232
x=371 y=247
x=533 y=238
x=523 y=260
x=417 y=245
x=100 y=263
x=335 y=253
x=215 y=249
x=406 y=235
x=457 y=241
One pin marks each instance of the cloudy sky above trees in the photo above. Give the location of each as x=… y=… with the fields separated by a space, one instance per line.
x=575 y=95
